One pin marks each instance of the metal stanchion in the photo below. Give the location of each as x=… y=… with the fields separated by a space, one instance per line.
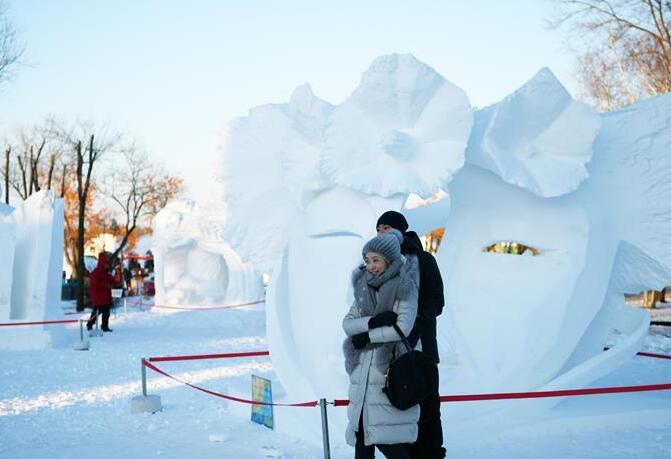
x=145 y=403
x=99 y=332
x=325 y=428
x=144 y=377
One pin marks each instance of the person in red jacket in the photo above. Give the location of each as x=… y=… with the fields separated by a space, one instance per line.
x=100 y=283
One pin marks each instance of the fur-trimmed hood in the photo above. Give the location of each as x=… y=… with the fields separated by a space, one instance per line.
x=406 y=291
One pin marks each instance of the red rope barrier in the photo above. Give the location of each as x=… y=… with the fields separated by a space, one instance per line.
x=553 y=393
x=208 y=356
x=655 y=356
x=539 y=394
x=443 y=398
x=207 y=308
x=227 y=397
x=45 y=322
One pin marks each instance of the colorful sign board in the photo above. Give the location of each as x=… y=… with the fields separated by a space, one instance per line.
x=262 y=392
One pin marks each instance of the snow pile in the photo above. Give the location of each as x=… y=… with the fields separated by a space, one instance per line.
x=194 y=264
x=537 y=138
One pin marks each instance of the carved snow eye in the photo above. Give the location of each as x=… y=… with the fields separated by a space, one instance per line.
x=512 y=248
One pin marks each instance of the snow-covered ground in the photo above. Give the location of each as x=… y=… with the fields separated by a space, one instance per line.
x=63 y=403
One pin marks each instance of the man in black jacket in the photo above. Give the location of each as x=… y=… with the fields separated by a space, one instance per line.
x=429 y=444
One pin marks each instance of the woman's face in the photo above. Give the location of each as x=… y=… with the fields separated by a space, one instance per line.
x=375 y=263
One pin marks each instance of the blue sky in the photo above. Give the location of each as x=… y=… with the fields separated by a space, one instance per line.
x=172 y=73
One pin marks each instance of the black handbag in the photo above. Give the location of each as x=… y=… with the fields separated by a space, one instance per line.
x=406 y=380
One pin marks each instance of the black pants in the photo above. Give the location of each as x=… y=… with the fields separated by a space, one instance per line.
x=105 y=311
x=429 y=444
x=361 y=451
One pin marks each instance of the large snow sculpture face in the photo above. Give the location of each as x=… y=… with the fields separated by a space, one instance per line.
x=525 y=322
x=403 y=130
x=509 y=311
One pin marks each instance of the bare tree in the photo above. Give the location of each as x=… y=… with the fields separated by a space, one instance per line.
x=140 y=190
x=31 y=173
x=87 y=144
x=627 y=48
x=10 y=48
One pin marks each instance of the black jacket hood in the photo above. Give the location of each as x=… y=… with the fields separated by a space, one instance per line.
x=411 y=244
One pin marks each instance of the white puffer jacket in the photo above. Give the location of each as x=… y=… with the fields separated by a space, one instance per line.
x=382 y=422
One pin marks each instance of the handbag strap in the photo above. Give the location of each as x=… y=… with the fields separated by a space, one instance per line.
x=403 y=338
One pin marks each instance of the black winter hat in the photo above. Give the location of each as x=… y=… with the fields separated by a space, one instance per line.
x=393 y=219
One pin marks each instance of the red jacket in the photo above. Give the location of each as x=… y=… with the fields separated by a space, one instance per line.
x=100 y=282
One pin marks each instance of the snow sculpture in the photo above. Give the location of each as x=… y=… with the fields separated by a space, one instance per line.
x=7 y=241
x=194 y=265
x=37 y=267
x=380 y=144
x=554 y=313
x=585 y=193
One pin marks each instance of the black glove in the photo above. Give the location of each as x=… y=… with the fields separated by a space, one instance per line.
x=386 y=318
x=359 y=341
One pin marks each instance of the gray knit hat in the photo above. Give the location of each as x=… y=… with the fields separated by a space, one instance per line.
x=388 y=245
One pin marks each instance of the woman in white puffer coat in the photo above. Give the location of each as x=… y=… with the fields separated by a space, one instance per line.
x=385 y=292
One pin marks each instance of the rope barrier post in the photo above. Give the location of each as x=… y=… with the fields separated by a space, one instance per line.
x=81 y=345
x=125 y=305
x=325 y=428
x=144 y=376
x=98 y=331
x=145 y=403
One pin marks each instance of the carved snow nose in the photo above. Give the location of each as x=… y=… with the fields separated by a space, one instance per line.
x=399 y=145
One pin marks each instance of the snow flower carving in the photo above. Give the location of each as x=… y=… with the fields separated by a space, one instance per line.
x=537 y=138
x=403 y=130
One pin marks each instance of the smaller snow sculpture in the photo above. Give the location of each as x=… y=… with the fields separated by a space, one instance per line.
x=37 y=269
x=7 y=242
x=193 y=263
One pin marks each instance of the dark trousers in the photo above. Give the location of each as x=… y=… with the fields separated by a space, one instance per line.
x=105 y=311
x=429 y=444
x=361 y=451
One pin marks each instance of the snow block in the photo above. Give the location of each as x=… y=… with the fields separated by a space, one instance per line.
x=148 y=404
x=81 y=346
x=7 y=241
x=38 y=257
